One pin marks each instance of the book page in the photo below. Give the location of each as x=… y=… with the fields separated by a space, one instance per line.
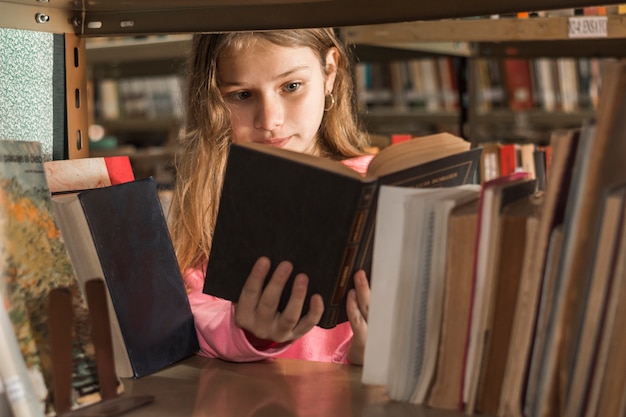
x=415 y=152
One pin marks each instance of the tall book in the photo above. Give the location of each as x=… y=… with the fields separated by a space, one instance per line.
x=606 y=387
x=35 y=261
x=446 y=387
x=119 y=234
x=296 y=207
x=518 y=225
x=587 y=334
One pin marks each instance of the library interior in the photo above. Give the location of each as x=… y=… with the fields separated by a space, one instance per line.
x=495 y=276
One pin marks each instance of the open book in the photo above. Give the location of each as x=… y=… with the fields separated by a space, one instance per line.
x=317 y=213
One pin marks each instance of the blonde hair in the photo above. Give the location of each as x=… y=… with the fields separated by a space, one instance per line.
x=203 y=150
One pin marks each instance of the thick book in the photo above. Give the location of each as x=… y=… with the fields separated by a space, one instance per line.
x=407 y=289
x=317 y=213
x=418 y=302
x=34 y=261
x=587 y=330
x=119 y=234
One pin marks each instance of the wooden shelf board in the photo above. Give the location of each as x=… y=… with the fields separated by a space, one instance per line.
x=475 y=30
x=115 y=17
x=133 y=49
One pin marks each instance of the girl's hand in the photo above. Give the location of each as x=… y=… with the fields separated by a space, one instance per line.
x=357 y=308
x=257 y=308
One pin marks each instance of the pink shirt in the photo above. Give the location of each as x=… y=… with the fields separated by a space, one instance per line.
x=220 y=337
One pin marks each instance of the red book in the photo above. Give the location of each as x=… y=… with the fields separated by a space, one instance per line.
x=548 y=150
x=400 y=137
x=518 y=84
x=509 y=160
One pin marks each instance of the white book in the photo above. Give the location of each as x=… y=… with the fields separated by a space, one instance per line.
x=384 y=281
x=433 y=273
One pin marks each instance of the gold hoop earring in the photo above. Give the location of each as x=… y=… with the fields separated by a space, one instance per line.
x=332 y=102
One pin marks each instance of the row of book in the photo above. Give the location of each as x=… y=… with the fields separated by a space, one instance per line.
x=549 y=84
x=426 y=83
x=514 y=303
x=431 y=84
x=503 y=158
x=90 y=285
x=148 y=97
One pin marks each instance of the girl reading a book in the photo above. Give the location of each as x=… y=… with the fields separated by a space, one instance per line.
x=290 y=89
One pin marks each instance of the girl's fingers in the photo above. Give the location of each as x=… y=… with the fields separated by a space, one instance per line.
x=270 y=297
x=253 y=287
x=257 y=308
x=290 y=316
x=362 y=289
x=312 y=317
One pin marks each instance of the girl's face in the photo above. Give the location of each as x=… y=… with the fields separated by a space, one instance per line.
x=276 y=94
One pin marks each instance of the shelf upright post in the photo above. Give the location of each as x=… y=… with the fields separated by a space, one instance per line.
x=76 y=93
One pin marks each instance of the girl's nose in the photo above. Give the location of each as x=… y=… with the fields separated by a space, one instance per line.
x=269 y=114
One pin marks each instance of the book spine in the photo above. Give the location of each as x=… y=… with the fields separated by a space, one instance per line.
x=353 y=250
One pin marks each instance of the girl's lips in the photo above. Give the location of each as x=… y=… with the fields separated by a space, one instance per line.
x=276 y=142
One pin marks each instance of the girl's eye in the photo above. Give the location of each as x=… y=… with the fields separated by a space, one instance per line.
x=292 y=86
x=238 y=95
x=242 y=95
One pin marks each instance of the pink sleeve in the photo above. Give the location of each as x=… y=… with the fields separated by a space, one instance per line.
x=218 y=335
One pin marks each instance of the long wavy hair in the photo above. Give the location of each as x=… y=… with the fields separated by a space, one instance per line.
x=203 y=148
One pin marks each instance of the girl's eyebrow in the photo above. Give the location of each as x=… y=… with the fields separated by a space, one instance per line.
x=227 y=83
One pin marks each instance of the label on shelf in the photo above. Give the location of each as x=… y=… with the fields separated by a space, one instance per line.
x=587 y=27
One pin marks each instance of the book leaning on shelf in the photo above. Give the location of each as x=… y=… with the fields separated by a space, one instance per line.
x=119 y=234
x=34 y=262
x=317 y=213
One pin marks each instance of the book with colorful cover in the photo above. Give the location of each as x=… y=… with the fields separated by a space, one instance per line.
x=36 y=261
x=68 y=175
